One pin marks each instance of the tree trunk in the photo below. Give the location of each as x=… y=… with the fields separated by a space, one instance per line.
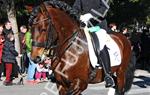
x=12 y=18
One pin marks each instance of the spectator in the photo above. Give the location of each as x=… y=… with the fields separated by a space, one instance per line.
x=24 y=59
x=32 y=65
x=125 y=31
x=48 y=61
x=1 y=48
x=9 y=57
x=41 y=72
x=23 y=30
x=135 y=39
x=50 y=74
x=8 y=29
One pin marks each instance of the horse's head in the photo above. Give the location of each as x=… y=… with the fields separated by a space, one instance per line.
x=42 y=31
x=45 y=30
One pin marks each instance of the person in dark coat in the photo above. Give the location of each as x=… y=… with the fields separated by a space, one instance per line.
x=8 y=30
x=9 y=57
x=93 y=14
x=96 y=8
x=24 y=58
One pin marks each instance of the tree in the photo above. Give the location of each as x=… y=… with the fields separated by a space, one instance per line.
x=128 y=10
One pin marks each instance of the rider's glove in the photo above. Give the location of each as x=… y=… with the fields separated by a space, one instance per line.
x=86 y=17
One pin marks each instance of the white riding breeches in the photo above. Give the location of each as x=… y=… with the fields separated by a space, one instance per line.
x=103 y=38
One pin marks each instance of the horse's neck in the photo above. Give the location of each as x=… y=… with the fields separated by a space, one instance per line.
x=63 y=23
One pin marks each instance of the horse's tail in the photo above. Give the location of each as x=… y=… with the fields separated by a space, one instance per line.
x=130 y=73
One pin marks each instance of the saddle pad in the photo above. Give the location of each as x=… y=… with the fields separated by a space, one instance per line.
x=114 y=51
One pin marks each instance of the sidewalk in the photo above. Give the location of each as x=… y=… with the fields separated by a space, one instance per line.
x=140 y=72
x=16 y=80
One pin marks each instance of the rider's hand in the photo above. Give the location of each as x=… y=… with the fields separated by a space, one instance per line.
x=86 y=17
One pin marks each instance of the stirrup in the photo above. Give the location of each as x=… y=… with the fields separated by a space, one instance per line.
x=109 y=81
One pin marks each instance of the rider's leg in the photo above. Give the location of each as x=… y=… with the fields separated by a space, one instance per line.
x=105 y=61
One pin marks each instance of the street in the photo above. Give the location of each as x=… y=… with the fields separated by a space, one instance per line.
x=141 y=86
x=74 y=38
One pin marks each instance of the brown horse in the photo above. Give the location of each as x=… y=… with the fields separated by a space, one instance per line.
x=55 y=28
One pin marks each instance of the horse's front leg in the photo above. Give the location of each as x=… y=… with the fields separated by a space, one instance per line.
x=61 y=90
x=76 y=87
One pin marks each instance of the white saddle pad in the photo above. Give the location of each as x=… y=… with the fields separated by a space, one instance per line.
x=114 y=51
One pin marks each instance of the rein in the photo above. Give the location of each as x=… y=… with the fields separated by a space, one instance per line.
x=73 y=38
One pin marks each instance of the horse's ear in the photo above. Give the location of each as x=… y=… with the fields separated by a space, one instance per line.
x=29 y=8
x=43 y=8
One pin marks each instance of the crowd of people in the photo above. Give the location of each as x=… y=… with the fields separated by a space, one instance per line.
x=139 y=38
x=36 y=72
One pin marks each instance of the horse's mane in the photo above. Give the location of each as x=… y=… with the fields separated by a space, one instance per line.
x=56 y=4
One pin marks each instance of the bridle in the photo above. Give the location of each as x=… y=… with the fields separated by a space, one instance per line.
x=50 y=39
x=50 y=44
x=40 y=21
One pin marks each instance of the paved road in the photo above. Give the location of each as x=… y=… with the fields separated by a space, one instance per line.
x=141 y=86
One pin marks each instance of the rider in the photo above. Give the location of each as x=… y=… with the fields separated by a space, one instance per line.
x=90 y=10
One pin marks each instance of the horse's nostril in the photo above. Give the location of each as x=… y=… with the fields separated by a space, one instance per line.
x=37 y=59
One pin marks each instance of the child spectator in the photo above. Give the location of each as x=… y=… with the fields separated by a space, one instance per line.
x=50 y=74
x=41 y=72
x=9 y=57
x=1 y=48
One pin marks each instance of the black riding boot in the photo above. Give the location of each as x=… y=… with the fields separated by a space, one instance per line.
x=105 y=62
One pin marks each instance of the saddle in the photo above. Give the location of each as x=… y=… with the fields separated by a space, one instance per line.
x=94 y=48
